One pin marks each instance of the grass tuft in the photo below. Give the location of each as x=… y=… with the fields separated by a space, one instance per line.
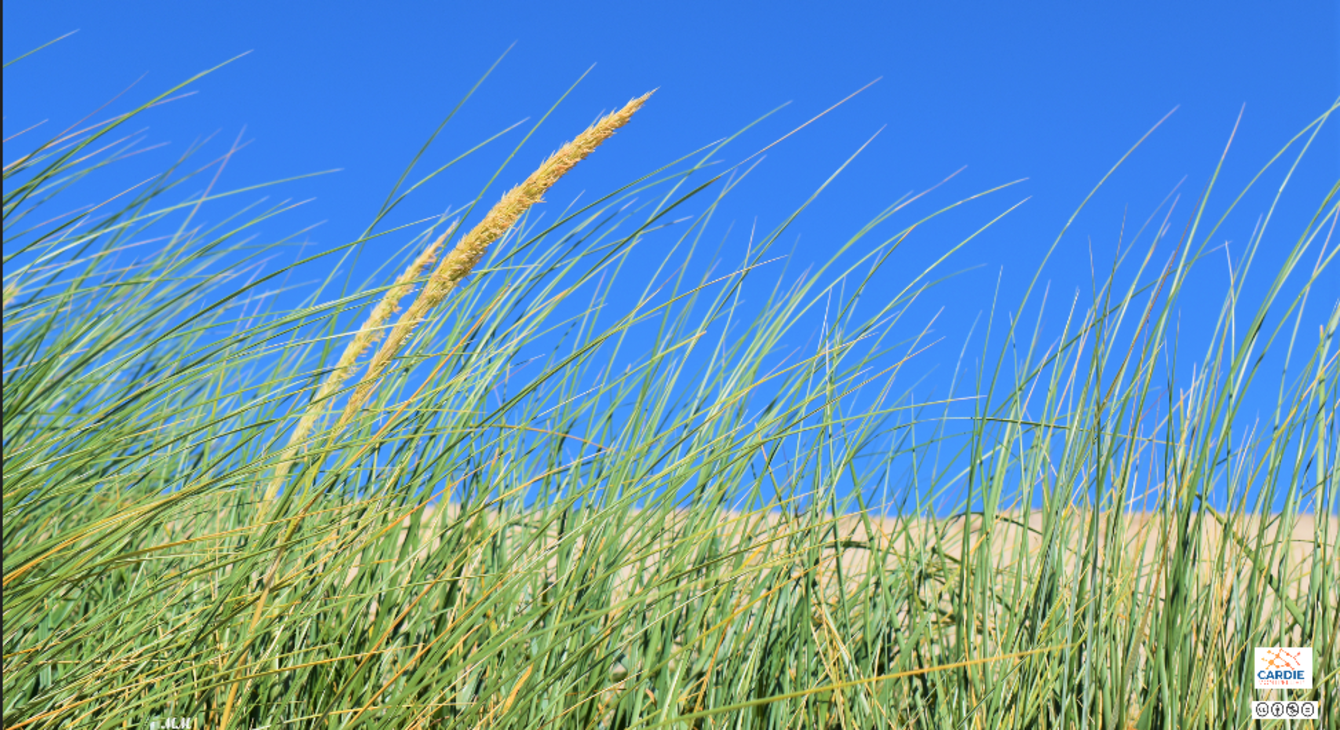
x=723 y=531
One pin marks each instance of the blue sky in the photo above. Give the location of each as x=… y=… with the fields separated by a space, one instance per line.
x=1051 y=92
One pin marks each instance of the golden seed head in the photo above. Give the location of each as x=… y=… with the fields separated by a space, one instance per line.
x=515 y=202
x=468 y=252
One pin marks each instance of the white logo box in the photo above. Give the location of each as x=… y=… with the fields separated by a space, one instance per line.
x=1282 y=667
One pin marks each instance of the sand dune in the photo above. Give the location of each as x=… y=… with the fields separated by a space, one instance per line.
x=1146 y=538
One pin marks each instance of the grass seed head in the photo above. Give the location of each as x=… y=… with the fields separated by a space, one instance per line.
x=471 y=248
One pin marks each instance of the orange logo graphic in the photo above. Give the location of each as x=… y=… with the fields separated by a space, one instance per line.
x=1282 y=659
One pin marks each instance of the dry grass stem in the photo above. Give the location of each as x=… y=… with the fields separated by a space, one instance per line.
x=471 y=248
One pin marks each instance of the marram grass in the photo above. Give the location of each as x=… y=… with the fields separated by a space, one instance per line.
x=209 y=515
x=454 y=267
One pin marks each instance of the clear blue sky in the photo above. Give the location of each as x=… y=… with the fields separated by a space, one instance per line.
x=1053 y=92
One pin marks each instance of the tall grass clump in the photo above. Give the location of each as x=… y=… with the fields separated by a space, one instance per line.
x=249 y=515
